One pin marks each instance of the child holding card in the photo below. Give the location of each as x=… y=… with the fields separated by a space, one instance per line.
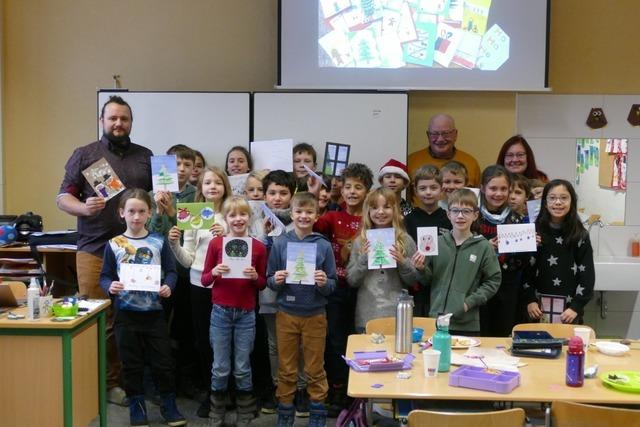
x=465 y=274
x=213 y=188
x=504 y=310
x=379 y=288
x=233 y=317
x=140 y=325
x=564 y=262
x=301 y=318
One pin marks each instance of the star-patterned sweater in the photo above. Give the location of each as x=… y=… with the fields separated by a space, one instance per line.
x=561 y=269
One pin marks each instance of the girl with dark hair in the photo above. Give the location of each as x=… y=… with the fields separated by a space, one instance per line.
x=564 y=262
x=238 y=161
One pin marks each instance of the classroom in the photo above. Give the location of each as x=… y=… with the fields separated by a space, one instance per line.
x=57 y=54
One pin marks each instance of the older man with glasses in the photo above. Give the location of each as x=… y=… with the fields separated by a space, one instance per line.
x=442 y=135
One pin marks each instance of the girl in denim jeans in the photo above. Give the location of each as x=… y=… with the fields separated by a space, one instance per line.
x=233 y=323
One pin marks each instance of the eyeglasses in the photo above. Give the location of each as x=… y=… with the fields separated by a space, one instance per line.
x=445 y=133
x=457 y=211
x=515 y=156
x=562 y=199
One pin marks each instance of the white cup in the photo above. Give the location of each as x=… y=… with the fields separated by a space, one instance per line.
x=431 y=360
x=584 y=333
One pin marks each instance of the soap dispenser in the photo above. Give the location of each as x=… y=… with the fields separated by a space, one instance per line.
x=442 y=341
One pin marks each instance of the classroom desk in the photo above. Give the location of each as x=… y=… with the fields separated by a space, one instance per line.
x=542 y=380
x=53 y=373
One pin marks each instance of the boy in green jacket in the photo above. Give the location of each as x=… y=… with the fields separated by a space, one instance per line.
x=465 y=273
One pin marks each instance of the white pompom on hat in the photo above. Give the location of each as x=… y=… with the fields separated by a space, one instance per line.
x=394 y=166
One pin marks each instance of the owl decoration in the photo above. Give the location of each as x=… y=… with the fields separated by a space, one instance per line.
x=634 y=115
x=596 y=119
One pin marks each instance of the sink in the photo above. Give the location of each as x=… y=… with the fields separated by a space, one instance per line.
x=617 y=273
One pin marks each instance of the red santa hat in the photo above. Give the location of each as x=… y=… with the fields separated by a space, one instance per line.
x=394 y=166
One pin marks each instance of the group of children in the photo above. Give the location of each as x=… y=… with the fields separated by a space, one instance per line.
x=307 y=325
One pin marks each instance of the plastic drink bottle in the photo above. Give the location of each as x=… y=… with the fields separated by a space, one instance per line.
x=404 y=322
x=442 y=341
x=33 y=300
x=574 y=376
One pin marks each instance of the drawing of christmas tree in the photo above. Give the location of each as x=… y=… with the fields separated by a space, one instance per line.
x=299 y=272
x=365 y=51
x=379 y=254
x=164 y=178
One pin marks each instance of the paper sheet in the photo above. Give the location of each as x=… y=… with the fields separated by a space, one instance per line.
x=236 y=254
x=272 y=154
x=516 y=238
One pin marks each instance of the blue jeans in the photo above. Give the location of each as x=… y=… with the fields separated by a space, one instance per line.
x=231 y=326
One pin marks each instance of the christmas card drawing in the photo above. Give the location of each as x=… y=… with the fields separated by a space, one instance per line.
x=256 y=228
x=301 y=263
x=236 y=254
x=427 y=240
x=278 y=226
x=336 y=158
x=238 y=183
x=164 y=173
x=194 y=216
x=380 y=241
x=103 y=179
x=140 y=277
x=552 y=307
x=516 y=238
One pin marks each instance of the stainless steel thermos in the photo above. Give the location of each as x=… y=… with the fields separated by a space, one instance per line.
x=404 y=322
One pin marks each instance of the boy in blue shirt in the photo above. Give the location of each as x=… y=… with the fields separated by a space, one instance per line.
x=301 y=317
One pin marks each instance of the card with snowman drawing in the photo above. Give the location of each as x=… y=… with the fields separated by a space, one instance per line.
x=427 y=240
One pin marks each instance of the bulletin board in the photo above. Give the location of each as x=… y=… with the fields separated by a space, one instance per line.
x=373 y=124
x=210 y=122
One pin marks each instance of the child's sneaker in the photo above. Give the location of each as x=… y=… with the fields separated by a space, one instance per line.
x=286 y=415
x=169 y=411
x=317 y=415
x=137 y=412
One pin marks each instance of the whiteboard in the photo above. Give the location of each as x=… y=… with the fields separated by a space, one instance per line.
x=210 y=122
x=374 y=124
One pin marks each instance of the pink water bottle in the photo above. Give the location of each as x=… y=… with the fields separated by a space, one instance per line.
x=575 y=363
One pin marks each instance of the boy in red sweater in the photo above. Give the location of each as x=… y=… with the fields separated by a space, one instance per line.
x=341 y=227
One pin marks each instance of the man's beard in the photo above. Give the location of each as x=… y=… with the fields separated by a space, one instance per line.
x=120 y=140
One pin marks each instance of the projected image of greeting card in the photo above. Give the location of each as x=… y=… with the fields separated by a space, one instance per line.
x=516 y=238
x=194 y=216
x=140 y=277
x=380 y=241
x=103 y=179
x=411 y=33
x=164 y=173
x=301 y=263
x=427 y=238
x=236 y=254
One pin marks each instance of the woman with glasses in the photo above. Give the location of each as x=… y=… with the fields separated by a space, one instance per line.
x=516 y=155
x=563 y=267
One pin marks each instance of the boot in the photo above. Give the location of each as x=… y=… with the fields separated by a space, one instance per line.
x=217 y=408
x=246 y=403
x=301 y=402
x=317 y=415
x=286 y=415
x=203 y=409
x=169 y=411
x=138 y=412
x=269 y=404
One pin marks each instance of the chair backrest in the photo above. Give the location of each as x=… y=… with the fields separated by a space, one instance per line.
x=507 y=418
x=387 y=325
x=558 y=330
x=570 y=414
x=12 y=293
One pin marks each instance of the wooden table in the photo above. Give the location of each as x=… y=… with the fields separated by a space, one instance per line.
x=542 y=380
x=53 y=373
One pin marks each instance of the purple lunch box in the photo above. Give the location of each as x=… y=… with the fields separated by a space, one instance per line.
x=380 y=354
x=477 y=378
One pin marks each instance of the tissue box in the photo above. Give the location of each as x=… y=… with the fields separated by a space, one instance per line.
x=479 y=379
